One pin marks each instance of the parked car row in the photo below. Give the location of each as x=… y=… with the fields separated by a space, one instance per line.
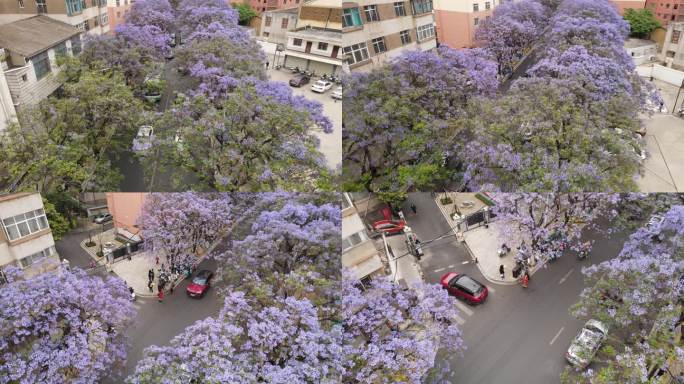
x=319 y=86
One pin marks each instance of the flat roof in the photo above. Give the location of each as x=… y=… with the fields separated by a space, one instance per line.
x=323 y=3
x=293 y=10
x=35 y=34
x=635 y=43
x=12 y=196
x=317 y=34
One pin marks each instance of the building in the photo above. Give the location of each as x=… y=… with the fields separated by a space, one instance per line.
x=125 y=208
x=26 y=239
x=314 y=44
x=116 y=12
x=377 y=30
x=457 y=20
x=673 y=46
x=31 y=48
x=359 y=254
x=87 y=15
x=8 y=113
x=623 y=5
x=276 y=23
x=268 y=5
x=642 y=51
x=666 y=11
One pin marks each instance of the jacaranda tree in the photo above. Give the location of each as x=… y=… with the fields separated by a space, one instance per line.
x=62 y=327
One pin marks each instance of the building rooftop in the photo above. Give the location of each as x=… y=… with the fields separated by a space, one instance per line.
x=12 y=196
x=30 y=36
x=323 y=3
x=293 y=10
x=318 y=35
x=636 y=43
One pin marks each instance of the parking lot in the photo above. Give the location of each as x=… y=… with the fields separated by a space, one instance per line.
x=331 y=144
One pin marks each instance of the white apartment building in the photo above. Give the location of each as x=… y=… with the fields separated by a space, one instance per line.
x=377 y=30
x=315 y=42
x=25 y=238
x=358 y=252
x=31 y=47
x=90 y=16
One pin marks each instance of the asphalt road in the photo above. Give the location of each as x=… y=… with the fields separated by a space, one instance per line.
x=518 y=335
x=157 y=323
x=69 y=247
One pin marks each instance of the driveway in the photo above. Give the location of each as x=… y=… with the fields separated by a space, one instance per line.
x=664 y=168
x=331 y=144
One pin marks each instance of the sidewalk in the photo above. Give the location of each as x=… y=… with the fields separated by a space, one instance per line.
x=404 y=267
x=482 y=242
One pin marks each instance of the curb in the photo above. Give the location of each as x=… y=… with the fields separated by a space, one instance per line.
x=472 y=256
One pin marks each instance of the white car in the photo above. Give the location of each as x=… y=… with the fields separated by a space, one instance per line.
x=337 y=93
x=586 y=344
x=143 y=140
x=321 y=86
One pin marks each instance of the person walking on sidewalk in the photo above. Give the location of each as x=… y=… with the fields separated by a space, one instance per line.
x=150 y=274
x=501 y=271
x=414 y=209
x=160 y=295
x=149 y=285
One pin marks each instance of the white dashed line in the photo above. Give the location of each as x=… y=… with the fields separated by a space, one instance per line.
x=557 y=334
x=463 y=308
x=562 y=280
x=451 y=266
x=439 y=269
x=459 y=320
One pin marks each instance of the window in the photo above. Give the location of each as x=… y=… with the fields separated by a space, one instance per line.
x=36 y=257
x=322 y=46
x=25 y=224
x=74 y=7
x=421 y=6
x=488 y=5
x=353 y=240
x=351 y=17
x=487 y=18
x=61 y=49
x=96 y=21
x=297 y=42
x=371 y=12
x=21 y=3
x=357 y=53
x=476 y=7
x=104 y=19
x=82 y=26
x=118 y=3
x=675 y=6
x=283 y=23
x=265 y=34
x=476 y=21
x=379 y=45
x=83 y=4
x=76 y=45
x=268 y=21
x=399 y=9
x=405 y=37
x=425 y=31
x=675 y=37
x=41 y=65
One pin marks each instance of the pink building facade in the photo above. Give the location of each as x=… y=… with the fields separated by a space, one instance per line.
x=125 y=208
x=457 y=20
x=116 y=10
x=667 y=11
x=268 y=5
x=622 y=6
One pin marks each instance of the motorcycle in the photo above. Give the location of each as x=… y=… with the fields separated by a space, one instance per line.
x=133 y=296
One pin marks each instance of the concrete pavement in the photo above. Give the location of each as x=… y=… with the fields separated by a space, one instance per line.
x=664 y=167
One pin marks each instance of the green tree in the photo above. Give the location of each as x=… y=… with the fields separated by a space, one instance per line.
x=58 y=223
x=246 y=13
x=641 y=22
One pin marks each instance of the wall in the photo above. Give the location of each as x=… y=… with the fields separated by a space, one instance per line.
x=126 y=209
x=659 y=72
x=624 y=5
x=7 y=111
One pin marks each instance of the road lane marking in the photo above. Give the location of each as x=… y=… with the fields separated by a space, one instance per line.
x=459 y=320
x=557 y=334
x=562 y=280
x=465 y=262
x=451 y=266
x=464 y=308
x=439 y=269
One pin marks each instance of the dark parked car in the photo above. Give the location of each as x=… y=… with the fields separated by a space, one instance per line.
x=465 y=287
x=102 y=218
x=200 y=284
x=299 y=80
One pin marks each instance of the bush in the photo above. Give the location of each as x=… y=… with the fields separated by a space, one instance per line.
x=446 y=200
x=90 y=244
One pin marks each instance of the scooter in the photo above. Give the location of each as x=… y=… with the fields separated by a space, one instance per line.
x=132 y=293
x=503 y=250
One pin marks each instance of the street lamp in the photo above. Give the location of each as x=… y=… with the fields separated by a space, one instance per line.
x=677 y=99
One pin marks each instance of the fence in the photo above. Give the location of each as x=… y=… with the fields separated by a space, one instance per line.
x=474 y=220
x=662 y=73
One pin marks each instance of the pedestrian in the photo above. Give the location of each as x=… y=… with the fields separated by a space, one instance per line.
x=661 y=106
x=150 y=274
x=501 y=271
x=171 y=288
x=160 y=295
x=267 y=65
x=157 y=259
x=149 y=285
x=414 y=209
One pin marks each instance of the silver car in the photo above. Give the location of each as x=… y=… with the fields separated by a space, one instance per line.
x=586 y=344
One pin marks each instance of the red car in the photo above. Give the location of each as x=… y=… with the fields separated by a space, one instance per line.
x=465 y=287
x=389 y=227
x=200 y=284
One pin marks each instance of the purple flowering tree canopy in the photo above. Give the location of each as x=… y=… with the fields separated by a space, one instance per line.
x=638 y=294
x=62 y=326
x=158 y=13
